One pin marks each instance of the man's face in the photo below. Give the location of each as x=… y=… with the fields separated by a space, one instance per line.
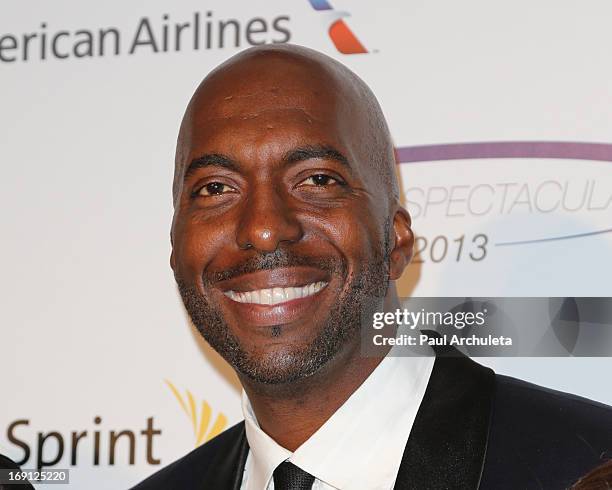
x=280 y=235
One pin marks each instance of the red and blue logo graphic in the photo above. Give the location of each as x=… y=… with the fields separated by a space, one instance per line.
x=340 y=33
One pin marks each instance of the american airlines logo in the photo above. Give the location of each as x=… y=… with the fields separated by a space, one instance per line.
x=340 y=33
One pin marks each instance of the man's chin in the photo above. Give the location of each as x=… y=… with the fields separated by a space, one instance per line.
x=279 y=354
x=279 y=367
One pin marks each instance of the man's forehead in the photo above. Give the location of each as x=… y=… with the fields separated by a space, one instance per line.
x=264 y=93
x=265 y=84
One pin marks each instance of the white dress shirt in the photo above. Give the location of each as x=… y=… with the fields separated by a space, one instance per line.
x=361 y=445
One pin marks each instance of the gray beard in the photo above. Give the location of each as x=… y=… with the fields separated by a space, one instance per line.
x=363 y=296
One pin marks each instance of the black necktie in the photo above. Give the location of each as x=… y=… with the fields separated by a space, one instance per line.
x=287 y=476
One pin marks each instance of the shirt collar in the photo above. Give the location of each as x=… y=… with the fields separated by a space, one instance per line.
x=264 y=453
x=361 y=445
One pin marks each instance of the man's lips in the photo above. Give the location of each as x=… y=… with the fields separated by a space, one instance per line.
x=283 y=277
x=275 y=296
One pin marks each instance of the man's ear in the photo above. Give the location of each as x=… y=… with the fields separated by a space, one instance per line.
x=401 y=253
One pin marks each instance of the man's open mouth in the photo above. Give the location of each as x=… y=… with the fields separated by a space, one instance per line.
x=277 y=295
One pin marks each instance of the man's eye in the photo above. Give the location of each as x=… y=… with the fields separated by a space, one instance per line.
x=215 y=189
x=319 y=180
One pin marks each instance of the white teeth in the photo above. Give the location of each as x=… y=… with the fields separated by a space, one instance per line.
x=275 y=296
x=278 y=295
x=266 y=296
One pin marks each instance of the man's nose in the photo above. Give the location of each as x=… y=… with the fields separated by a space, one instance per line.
x=266 y=221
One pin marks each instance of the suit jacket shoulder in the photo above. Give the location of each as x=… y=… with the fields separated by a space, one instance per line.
x=476 y=429
x=216 y=465
x=542 y=438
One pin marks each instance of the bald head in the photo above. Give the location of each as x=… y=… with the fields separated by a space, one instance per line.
x=305 y=87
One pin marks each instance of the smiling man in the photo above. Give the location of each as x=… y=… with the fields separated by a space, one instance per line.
x=287 y=231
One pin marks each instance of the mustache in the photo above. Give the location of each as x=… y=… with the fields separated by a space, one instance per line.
x=275 y=260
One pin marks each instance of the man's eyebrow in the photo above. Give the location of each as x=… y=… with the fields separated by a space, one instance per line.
x=210 y=160
x=311 y=152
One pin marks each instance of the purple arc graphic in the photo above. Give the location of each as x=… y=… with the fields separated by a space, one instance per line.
x=506 y=149
x=564 y=150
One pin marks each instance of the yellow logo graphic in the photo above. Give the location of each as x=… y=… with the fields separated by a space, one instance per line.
x=201 y=421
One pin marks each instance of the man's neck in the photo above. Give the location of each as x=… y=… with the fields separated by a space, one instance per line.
x=291 y=414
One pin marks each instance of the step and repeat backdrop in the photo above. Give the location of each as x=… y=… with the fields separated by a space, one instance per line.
x=502 y=117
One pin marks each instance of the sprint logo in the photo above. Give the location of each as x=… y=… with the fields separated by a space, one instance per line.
x=204 y=428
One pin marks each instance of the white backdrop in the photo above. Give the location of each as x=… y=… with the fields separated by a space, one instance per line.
x=94 y=337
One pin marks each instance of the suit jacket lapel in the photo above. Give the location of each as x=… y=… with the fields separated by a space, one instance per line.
x=448 y=441
x=228 y=466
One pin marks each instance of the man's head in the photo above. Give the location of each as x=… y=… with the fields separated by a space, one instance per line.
x=287 y=225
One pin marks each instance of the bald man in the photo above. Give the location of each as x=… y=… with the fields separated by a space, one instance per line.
x=287 y=230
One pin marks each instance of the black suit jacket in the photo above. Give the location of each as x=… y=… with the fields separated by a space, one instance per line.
x=474 y=429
